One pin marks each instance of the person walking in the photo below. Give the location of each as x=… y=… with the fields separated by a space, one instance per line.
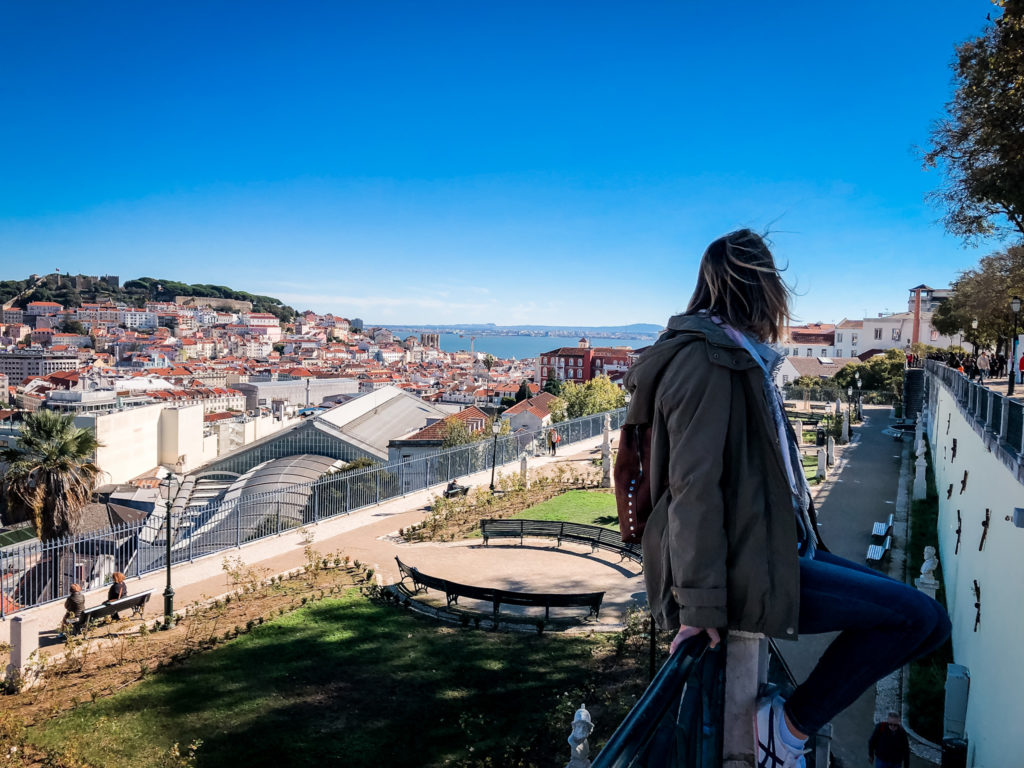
x=732 y=541
x=1020 y=367
x=553 y=440
x=983 y=367
x=889 y=746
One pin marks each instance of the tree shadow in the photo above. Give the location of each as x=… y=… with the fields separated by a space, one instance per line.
x=349 y=682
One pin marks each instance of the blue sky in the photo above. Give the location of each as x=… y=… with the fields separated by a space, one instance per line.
x=507 y=162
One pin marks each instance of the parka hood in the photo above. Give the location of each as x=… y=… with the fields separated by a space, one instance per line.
x=642 y=379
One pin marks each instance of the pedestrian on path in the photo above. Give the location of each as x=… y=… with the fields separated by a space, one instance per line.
x=1020 y=367
x=732 y=541
x=889 y=746
x=553 y=440
x=983 y=367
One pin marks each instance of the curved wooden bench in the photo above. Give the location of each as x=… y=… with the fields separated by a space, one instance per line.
x=498 y=597
x=594 y=535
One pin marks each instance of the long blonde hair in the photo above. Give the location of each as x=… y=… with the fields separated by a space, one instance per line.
x=739 y=282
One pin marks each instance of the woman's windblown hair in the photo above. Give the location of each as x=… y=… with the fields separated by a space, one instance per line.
x=739 y=282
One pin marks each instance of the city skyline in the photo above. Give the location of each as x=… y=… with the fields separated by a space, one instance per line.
x=509 y=164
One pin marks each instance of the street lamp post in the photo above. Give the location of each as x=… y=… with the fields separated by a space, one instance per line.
x=974 y=336
x=1012 y=367
x=495 y=430
x=169 y=590
x=849 y=401
x=860 y=415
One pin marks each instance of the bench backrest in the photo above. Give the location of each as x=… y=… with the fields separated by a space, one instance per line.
x=104 y=609
x=506 y=597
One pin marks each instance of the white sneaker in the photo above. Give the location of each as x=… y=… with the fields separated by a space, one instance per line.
x=772 y=751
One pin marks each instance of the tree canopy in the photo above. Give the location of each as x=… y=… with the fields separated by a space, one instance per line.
x=50 y=474
x=594 y=396
x=979 y=144
x=983 y=293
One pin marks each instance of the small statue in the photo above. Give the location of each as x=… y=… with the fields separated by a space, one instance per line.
x=931 y=562
x=582 y=727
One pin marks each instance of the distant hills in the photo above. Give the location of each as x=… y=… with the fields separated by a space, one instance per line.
x=74 y=290
x=484 y=329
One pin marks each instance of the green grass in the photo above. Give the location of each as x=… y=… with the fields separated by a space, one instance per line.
x=17 y=535
x=926 y=688
x=587 y=507
x=346 y=682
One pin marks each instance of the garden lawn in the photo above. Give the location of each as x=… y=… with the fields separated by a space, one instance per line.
x=349 y=682
x=588 y=507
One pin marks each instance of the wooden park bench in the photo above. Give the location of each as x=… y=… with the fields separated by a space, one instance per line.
x=134 y=603
x=883 y=529
x=594 y=535
x=458 y=490
x=819 y=407
x=498 y=597
x=876 y=552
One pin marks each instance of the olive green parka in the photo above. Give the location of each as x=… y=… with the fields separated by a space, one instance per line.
x=720 y=547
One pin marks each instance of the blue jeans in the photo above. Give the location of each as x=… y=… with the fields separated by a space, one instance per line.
x=883 y=625
x=880 y=763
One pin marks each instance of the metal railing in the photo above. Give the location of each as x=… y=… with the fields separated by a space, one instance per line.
x=997 y=414
x=678 y=720
x=37 y=572
x=831 y=394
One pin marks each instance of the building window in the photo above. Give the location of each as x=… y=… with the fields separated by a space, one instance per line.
x=824 y=352
x=853 y=339
x=853 y=353
x=839 y=338
x=785 y=378
x=878 y=333
x=895 y=334
x=935 y=336
x=809 y=352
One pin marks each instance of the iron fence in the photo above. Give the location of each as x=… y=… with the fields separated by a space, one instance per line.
x=37 y=572
x=831 y=394
x=997 y=413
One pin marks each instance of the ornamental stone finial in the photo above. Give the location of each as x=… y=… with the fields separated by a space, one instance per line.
x=582 y=727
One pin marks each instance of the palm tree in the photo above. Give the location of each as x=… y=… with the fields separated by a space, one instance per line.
x=50 y=474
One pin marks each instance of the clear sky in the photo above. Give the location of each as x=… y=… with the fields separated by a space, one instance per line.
x=501 y=161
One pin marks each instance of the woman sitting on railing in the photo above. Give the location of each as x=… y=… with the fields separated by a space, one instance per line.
x=732 y=542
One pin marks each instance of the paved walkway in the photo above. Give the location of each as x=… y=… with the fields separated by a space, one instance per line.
x=363 y=535
x=848 y=505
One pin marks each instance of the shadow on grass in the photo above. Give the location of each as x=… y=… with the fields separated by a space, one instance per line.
x=347 y=682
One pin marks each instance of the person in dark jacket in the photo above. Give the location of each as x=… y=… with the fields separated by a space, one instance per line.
x=73 y=608
x=118 y=591
x=732 y=541
x=888 y=746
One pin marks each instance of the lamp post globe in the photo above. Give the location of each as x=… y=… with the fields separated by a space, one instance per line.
x=1013 y=367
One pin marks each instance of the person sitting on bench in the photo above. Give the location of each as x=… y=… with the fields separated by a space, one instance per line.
x=73 y=606
x=454 y=489
x=118 y=591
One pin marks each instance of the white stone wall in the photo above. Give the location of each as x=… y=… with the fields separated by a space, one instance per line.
x=129 y=441
x=992 y=653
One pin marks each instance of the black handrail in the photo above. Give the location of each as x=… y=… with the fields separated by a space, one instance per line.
x=678 y=720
